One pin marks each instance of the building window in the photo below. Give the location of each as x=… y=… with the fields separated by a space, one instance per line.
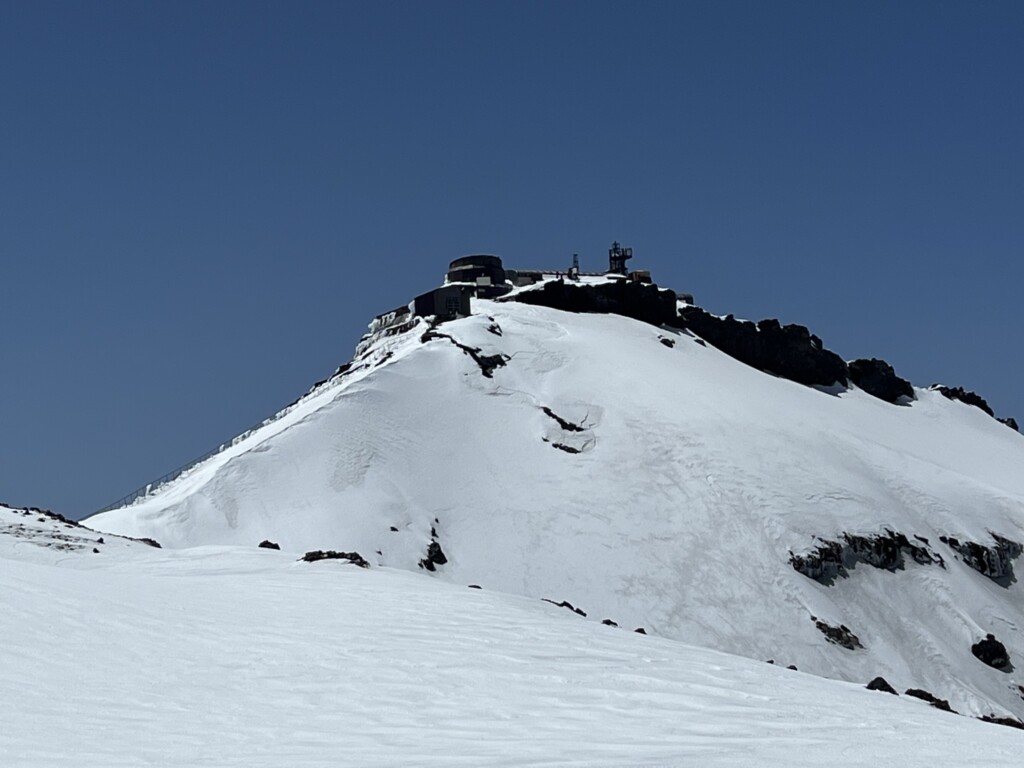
x=452 y=305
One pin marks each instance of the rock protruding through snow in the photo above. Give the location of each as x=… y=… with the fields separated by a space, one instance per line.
x=881 y=684
x=992 y=652
x=935 y=701
x=352 y=557
x=789 y=351
x=840 y=635
x=834 y=559
x=994 y=561
x=878 y=378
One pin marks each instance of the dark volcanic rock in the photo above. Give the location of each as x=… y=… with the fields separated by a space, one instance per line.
x=568 y=426
x=990 y=651
x=435 y=557
x=1010 y=422
x=825 y=563
x=566 y=448
x=881 y=684
x=942 y=704
x=840 y=635
x=833 y=559
x=353 y=557
x=566 y=604
x=640 y=631
x=964 y=396
x=487 y=363
x=789 y=351
x=996 y=561
x=609 y=623
x=887 y=551
x=645 y=302
x=1010 y=721
x=268 y=544
x=877 y=377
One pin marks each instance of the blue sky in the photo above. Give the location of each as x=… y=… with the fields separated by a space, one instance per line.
x=202 y=204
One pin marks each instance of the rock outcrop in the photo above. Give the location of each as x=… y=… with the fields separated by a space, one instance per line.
x=964 y=396
x=973 y=398
x=992 y=652
x=841 y=635
x=936 y=702
x=435 y=557
x=319 y=554
x=881 y=684
x=1013 y=722
x=566 y=604
x=995 y=562
x=834 y=559
x=789 y=351
x=877 y=377
x=640 y=301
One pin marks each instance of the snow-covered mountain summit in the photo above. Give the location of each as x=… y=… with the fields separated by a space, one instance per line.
x=645 y=477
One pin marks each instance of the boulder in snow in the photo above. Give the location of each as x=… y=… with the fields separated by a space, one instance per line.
x=992 y=652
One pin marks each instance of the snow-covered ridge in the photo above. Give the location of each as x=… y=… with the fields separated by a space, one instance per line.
x=372 y=350
x=39 y=535
x=647 y=478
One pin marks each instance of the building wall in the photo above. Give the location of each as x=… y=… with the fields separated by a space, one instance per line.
x=446 y=301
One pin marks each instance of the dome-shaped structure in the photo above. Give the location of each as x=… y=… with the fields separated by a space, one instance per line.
x=485 y=271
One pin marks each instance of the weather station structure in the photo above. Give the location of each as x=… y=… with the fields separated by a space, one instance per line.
x=484 y=276
x=617 y=258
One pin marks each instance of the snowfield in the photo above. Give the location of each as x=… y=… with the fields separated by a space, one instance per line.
x=230 y=656
x=646 y=478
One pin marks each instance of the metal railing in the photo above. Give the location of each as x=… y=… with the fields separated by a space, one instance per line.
x=150 y=487
x=153 y=485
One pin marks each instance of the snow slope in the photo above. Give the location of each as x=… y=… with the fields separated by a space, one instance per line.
x=695 y=478
x=226 y=656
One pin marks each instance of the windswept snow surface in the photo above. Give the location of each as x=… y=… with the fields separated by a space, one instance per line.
x=669 y=495
x=224 y=656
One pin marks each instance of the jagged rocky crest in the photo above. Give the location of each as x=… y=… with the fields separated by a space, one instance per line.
x=645 y=302
x=789 y=351
x=995 y=561
x=964 y=396
x=877 y=377
x=834 y=559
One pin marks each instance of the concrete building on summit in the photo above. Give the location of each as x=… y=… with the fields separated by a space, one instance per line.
x=482 y=270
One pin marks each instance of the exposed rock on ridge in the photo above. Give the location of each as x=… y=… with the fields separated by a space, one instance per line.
x=645 y=302
x=877 y=377
x=833 y=559
x=964 y=396
x=996 y=561
x=789 y=351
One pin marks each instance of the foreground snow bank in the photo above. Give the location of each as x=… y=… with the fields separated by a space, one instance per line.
x=228 y=657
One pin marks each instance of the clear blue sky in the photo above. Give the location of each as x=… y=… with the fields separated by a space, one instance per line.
x=202 y=204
